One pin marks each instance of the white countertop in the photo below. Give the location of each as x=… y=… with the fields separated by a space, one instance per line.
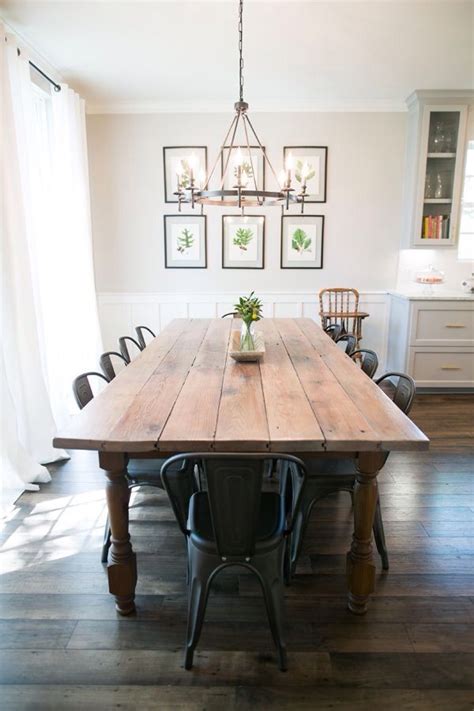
x=439 y=293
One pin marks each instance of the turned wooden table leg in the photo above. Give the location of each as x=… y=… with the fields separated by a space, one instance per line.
x=122 y=565
x=360 y=566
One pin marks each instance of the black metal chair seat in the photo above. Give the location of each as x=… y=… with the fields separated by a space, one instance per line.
x=328 y=477
x=270 y=523
x=144 y=471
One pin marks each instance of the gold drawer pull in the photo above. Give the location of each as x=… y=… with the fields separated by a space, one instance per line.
x=455 y=325
x=450 y=367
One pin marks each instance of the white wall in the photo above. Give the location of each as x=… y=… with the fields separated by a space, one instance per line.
x=363 y=210
x=363 y=213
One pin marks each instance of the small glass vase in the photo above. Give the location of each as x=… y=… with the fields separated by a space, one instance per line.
x=247 y=334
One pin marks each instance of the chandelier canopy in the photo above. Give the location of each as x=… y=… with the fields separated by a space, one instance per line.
x=238 y=159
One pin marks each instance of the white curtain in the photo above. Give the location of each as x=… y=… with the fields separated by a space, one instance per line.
x=49 y=322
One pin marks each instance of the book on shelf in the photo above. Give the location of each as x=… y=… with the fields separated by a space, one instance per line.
x=435 y=227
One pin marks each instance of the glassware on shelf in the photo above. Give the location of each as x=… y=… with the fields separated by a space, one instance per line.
x=449 y=142
x=439 y=138
x=429 y=277
x=428 y=186
x=439 y=187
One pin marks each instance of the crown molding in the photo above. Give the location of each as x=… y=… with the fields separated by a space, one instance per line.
x=448 y=96
x=160 y=107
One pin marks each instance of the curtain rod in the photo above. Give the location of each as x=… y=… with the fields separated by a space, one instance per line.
x=56 y=86
x=40 y=71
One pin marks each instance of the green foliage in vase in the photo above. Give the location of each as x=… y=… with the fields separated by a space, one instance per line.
x=185 y=240
x=243 y=237
x=300 y=241
x=299 y=167
x=249 y=308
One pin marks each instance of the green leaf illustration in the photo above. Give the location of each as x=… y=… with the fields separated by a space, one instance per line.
x=243 y=237
x=300 y=241
x=185 y=240
x=185 y=173
x=246 y=170
x=311 y=172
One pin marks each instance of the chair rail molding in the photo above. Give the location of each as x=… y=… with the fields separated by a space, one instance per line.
x=120 y=312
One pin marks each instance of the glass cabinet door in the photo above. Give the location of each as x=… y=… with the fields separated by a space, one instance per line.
x=443 y=156
x=440 y=171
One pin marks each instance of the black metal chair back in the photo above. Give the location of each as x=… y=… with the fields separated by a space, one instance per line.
x=140 y=331
x=334 y=330
x=404 y=390
x=350 y=341
x=234 y=491
x=234 y=484
x=367 y=360
x=123 y=344
x=82 y=389
x=107 y=365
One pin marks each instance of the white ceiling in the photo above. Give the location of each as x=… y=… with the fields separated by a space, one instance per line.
x=300 y=55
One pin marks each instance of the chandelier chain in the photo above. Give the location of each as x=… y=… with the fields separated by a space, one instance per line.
x=243 y=168
x=241 y=58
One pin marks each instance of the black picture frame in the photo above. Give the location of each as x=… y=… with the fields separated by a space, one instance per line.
x=298 y=217
x=165 y=239
x=169 y=189
x=223 y=241
x=325 y=172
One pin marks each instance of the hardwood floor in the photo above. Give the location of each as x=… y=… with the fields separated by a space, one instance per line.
x=62 y=646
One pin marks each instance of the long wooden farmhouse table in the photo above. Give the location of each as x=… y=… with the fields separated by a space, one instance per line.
x=184 y=393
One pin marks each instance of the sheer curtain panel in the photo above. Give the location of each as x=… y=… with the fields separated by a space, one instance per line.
x=49 y=323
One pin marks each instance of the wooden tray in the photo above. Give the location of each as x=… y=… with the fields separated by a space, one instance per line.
x=246 y=356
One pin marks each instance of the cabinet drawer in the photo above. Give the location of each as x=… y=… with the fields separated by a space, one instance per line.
x=443 y=368
x=443 y=326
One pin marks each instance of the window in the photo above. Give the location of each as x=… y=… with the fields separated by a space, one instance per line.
x=466 y=228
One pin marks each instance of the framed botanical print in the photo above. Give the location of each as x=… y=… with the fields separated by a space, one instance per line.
x=185 y=241
x=252 y=167
x=302 y=238
x=181 y=161
x=308 y=165
x=243 y=242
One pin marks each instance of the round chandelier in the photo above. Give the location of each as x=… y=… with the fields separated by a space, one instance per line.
x=245 y=192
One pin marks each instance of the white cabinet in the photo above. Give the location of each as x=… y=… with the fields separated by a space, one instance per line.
x=434 y=166
x=432 y=339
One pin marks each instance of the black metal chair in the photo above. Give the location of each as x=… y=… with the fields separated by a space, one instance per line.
x=123 y=344
x=329 y=477
x=234 y=522
x=234 y=314
x=334 y=330
x=367 y=361
x=350 y=340
x=140 y=331
x=140 y=472
x=82 y=388
x=107 y=365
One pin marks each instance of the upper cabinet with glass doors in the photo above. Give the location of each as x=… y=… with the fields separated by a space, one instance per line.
x=434 y=165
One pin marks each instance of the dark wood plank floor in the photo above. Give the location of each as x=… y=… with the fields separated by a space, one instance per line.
x=64 y=647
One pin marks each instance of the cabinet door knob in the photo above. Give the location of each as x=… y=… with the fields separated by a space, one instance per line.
x=455 y=325
x=450 y=367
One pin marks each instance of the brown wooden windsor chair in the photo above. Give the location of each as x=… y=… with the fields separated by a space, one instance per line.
x=341 y=306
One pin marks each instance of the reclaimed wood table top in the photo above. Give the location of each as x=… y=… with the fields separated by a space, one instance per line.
x=185 y=393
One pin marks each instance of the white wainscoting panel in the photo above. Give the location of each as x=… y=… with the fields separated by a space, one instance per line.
x=121 y=312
